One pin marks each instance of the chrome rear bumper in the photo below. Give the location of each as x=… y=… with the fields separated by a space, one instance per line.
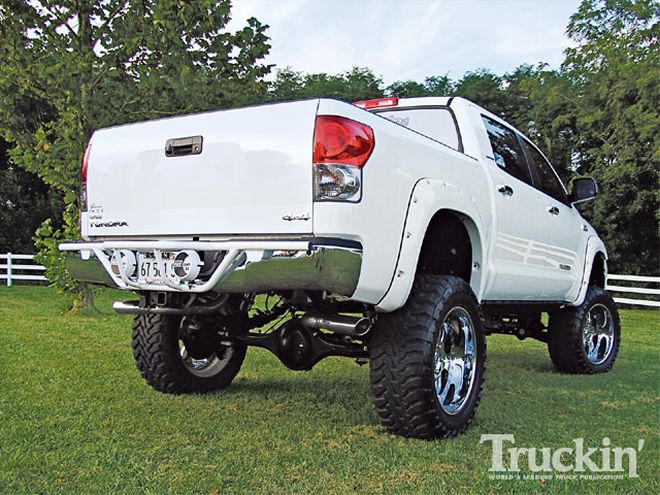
x=248 y=266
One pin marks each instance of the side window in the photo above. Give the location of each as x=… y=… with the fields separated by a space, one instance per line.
x=507 y=152
x=546 y=178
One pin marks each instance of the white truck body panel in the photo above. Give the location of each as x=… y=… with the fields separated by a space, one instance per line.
x=251 y=188
x=569 y=235
x=378 y=220
x=253 y=171
x=428 y=197
x=536 y=255
x=520 y=243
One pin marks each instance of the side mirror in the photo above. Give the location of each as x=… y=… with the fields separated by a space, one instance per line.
x=583 y=189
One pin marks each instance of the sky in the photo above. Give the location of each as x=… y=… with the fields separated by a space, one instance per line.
x=410 y=39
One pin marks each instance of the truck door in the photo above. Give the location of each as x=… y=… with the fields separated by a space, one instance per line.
x=520 y=223
x=568 y=234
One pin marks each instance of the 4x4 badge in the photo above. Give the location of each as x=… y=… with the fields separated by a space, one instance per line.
x=290 y=217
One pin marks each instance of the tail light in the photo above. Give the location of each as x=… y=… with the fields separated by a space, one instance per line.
x=342 y=141
x=85 y=163
x=377 y=103
x=83 y=176
x=341 y=148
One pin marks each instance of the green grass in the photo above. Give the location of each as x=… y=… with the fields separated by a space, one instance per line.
x=75 y=417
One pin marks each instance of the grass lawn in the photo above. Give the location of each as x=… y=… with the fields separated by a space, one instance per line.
x=75 y=417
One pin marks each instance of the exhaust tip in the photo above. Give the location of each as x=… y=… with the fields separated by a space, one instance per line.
x=344 y=325
x=362 y=326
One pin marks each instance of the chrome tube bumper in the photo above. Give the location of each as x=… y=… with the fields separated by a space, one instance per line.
x=248 y=266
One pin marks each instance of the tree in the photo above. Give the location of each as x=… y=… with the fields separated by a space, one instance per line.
x=432 y=86
x=71 y=67
x=407 y=89
x=25 y=202
x=541 y=102
x=614 y=69
x=439 y=85
x=485 y=89
x=359 y=83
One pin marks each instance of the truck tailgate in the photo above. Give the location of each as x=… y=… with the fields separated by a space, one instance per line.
x=253 y=175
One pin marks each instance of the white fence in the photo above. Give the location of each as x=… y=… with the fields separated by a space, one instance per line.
x=634 y=290
x=15 y=268
x=19 y=267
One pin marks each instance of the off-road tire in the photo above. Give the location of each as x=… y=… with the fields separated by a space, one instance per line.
x=157 y=356
x=565 y=335
x=401 y=354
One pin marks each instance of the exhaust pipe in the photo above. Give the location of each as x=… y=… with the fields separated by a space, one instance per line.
x=134 y=308
x=344 y=325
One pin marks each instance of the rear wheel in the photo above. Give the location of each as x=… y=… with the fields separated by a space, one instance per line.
x=428 y=359
x=173 y=358
x=585 y=339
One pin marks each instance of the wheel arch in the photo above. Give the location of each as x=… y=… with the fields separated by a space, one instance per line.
x=451 y=246
x=595 y=268
x=598 y=275
x=434 y=210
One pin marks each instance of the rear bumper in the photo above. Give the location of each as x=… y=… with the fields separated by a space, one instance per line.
x=248 y=266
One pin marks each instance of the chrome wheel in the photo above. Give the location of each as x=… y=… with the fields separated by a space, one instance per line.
x=205 y=367
x=455 y=359
x=598 y=334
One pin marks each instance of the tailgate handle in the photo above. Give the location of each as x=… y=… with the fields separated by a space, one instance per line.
x=184 y=146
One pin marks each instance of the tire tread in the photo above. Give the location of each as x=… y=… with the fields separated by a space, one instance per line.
x=155 y=350
x=401 y=351
x=565 y=338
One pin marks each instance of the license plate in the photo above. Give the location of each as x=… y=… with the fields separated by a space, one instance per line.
x=149 y=270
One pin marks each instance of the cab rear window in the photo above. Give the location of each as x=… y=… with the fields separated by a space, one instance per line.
x=436 y=123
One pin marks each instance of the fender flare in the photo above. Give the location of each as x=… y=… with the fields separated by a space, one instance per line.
x=595 y=246
x=429 y=196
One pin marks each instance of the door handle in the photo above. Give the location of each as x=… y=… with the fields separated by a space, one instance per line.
x=184 y=146
x=505 y=190
x=553 y=210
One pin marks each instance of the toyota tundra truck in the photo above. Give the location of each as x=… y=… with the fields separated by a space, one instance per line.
x=398 y=232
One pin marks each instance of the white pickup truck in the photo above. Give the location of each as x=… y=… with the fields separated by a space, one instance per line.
x=399 y=232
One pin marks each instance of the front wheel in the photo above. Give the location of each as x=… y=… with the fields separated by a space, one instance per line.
x=585 y=339
x=175 y=357
x=428 y=359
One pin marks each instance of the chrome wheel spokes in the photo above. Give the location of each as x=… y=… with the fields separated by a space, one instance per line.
x=454 y=361
x=598 y=334
x=206 y=367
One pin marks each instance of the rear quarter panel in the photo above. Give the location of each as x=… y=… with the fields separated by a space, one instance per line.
x=401 y=158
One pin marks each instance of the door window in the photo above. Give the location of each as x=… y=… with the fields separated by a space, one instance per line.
x=507 y=152
x=545 y=177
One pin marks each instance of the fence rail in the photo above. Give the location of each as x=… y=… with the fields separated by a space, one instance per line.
x=654 y=303
x=10 y=271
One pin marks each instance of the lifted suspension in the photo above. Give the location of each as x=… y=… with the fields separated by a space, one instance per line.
x=299 y=343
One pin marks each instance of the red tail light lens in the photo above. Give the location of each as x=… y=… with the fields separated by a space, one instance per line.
x=85 y=163
x=83 y=175
x=377 y=103
x=339 y=140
